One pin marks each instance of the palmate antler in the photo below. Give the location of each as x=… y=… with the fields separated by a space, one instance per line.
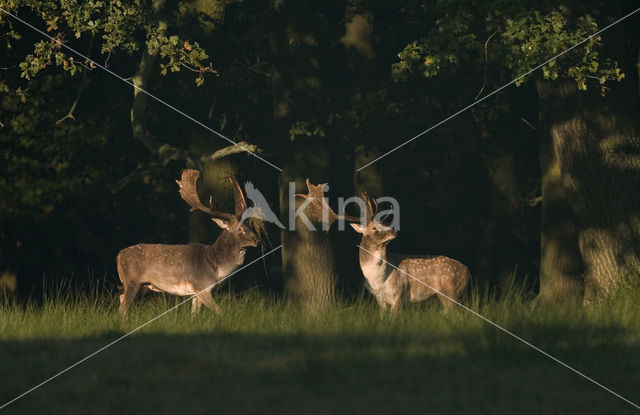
x=320 y=210
x=240 y=201
x=189 y=192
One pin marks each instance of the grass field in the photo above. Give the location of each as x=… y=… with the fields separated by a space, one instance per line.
x=262 y=356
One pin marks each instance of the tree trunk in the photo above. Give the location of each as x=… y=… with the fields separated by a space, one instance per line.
x=560 y=261
x=302 y=38
x=359 y=55
x=596 y=142
x=140 y=80
x=308 y=263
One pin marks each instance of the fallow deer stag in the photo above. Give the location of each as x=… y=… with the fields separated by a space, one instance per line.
x=190 y=269
x=394 y=279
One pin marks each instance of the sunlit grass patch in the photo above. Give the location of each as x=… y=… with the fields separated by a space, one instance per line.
x=264 y=355
x=71 y=313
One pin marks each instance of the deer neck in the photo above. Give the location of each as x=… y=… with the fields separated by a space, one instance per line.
x=225 y=254
x=373 y=264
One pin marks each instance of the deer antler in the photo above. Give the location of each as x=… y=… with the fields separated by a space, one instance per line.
x=240 y=201
x=318 y=205
x=371 y=207
x=188 y=192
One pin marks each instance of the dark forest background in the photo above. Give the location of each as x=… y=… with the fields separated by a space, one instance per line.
x=539 y=180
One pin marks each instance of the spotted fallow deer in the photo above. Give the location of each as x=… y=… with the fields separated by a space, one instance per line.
x=394 y=279
x=190 y=269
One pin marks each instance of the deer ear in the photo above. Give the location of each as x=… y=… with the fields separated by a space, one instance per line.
x=221 y=223
x=359 y=228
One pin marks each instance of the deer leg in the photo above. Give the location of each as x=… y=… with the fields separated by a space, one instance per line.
x=382 y=307
x=395 y=308
x=446 y=302
x=195 y=305
x=206 y=298
x=400 y=293
x=126 y=298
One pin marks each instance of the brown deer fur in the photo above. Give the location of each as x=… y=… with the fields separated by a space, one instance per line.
x=190 y=269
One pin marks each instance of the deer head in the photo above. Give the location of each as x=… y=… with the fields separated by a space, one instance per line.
x=230 y=223
x=372 y=230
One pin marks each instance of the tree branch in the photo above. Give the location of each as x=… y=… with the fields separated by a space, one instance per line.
x=167 y=153
x=83 y=84
x=486 y=65
x=164 y=151
x=241 y=147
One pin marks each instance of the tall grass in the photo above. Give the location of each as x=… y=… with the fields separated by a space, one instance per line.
x=67 y=312
x=265 y=356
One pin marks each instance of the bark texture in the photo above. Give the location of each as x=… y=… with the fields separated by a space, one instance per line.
x=308 y=261
x=597 y=146
x=560 y=261
x=303 y=46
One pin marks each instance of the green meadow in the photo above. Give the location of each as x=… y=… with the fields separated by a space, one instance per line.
x=264 y=356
